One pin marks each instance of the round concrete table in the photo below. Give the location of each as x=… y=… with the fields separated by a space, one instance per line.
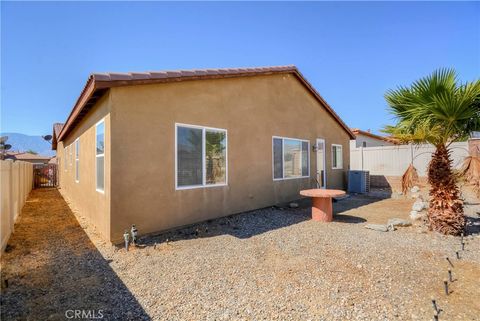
x=322 y=202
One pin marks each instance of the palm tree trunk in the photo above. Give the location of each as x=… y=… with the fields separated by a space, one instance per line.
x=445 y=214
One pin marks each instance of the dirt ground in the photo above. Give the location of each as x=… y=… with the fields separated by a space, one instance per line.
x=270 y=264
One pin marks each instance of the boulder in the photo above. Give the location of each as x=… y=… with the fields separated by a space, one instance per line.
x=418 y=206
x=398 y=222
x=415 y=189
x=377 y=227
x=415 y=215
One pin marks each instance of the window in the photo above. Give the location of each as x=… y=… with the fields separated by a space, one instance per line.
x=291 y=158
x=337 y=156
x=100 y=156
x=65 y=159
x=77 y=160
x=70 y=147
x=364 y=144
x=201 y=156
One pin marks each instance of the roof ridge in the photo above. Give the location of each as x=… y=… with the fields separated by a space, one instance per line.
x=152 y=74
x=98 y=83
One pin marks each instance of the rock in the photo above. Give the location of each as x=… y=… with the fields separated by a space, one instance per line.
x=398 y=222
x=377 y=227
x=293 y=205
x=418 y=206
x=415 y=215
x=415 y=189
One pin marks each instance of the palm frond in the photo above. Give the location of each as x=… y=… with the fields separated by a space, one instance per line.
x=470 y=170
x=409 y=178
x=436 y=109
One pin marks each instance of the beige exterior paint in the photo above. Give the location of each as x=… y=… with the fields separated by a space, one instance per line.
x=82 y=195
x=140 y=150
x=251 y=109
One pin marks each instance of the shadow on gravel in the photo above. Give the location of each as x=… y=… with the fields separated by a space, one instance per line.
x=244 y=225
x=353 y=202
x=248 y=224
x=343 y=218
x=54 y=269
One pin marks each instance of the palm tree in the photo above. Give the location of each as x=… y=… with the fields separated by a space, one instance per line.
x=439 y=110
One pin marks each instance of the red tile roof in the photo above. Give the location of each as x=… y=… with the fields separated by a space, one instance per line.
x=357 y=131
x=25 y=156
x=98 y=83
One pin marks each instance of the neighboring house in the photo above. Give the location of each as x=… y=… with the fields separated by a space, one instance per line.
x=166 y=149
x=28 y=157
x=367 y=139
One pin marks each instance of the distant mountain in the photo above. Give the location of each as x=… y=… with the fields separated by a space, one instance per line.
x=21 y=142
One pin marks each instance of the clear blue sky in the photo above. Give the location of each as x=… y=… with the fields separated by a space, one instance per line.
x=351 y=52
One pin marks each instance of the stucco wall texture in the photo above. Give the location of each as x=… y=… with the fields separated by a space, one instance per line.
x=140 y=150
x=82 y=195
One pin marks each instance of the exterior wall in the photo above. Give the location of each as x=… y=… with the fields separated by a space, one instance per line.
x=370 y=141
x=16 y=180
x=251 y=109
x=83 y=195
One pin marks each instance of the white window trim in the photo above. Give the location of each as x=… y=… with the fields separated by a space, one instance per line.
x=70 y=147
x=65 y=159
x=283 y=156
x=204 y=172
x=341 y=147
x=100 y=155
x=77 y=160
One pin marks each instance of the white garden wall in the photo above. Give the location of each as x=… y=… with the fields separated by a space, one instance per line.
x=394 y=160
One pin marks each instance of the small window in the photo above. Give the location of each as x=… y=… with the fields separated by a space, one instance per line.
x=201 y=156
x=337 y=156
x=100 y=156
x=364 y=144
x=290 y=158
x=77 y=160
x=65 y=157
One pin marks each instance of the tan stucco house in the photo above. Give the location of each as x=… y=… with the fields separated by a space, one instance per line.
x=167 y=149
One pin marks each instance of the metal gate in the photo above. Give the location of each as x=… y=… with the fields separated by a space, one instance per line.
x=45 y=175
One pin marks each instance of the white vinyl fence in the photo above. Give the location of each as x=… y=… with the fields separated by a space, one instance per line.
x=394 y=160
x=16 y=182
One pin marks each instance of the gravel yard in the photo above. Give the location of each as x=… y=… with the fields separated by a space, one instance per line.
x=269 y=264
